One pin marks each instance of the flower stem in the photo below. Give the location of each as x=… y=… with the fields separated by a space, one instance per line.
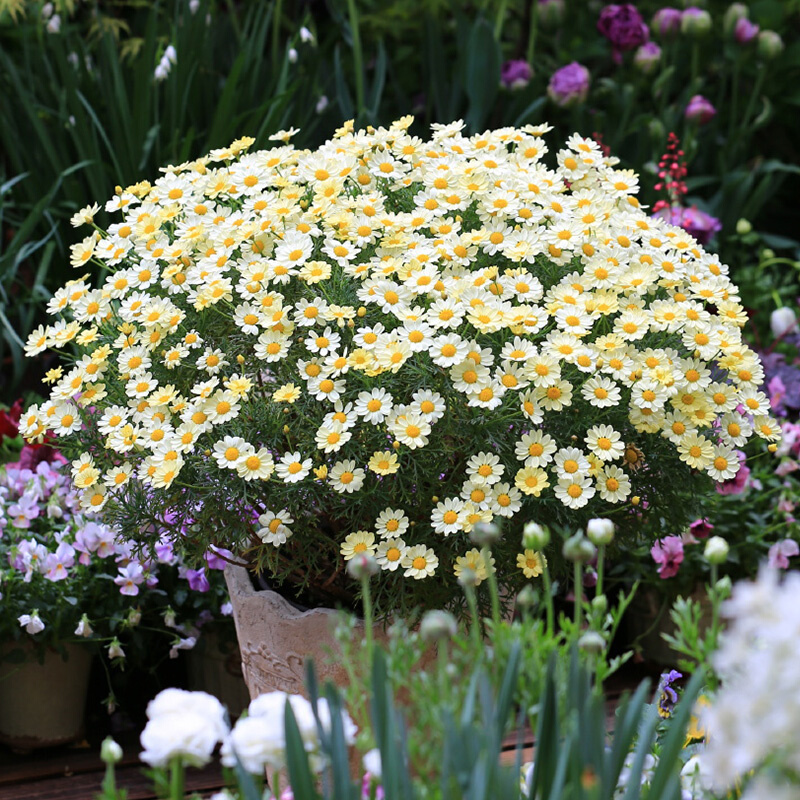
x=601 y=551
x=486 y=555
x=177 y=787
x=578 y=593
x=548 y=599
x=366 y=598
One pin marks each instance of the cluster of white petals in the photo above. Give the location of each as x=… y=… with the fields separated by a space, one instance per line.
x=754 y=720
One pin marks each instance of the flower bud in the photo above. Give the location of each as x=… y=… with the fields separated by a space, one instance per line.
x=592 y=642
x=656 y=129
x=362 y=566
x=569 y=85
x=766 y=254
x=695 y=21
x=579 y=549
x=782 y=320
x=667 y=22
x=527 y=597
x=600 y=531
x=745 y=31
x=723 y=587
x=115 y=649
x=437 y=625
x=735 y=12
x=600 y=604
x=551 y=12
x=468 y=578
x=534 y=536
x=647 y=57
x=485 y=534
x=716 y=551
x=516 y=74
x=84 y=627
x=110 y=751
x=743 y=227
x=770 y=45
x=699 y=109
x=292 y=55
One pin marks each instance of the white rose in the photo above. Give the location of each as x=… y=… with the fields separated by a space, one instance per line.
x=179 y=701
x=185 y=734
x=258 y=742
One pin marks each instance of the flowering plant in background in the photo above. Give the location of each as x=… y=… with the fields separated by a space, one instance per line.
x=66 y=576
x=375 y=346
x=672 y=182
x=754 y=720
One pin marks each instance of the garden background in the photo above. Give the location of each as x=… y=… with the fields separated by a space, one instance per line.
x=702 y=102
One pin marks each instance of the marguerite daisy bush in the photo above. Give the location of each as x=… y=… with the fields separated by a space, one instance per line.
x=375 y=346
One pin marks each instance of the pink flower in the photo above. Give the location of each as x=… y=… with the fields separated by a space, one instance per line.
x=781 y=552
x=701 y=528
x=668 y=554
x=129 y=578
x=739 y=482
x=745 y=31
x=699 y=110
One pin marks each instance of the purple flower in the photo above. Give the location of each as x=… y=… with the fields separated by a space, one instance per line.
x=777 y=391
x=699 y=109
x=745 y=31
x=667 y=21
x=217 y=558
x=569 y=85
x=647 y=56
x=197 y=579
x=781 y=552
x=623 y=26
x=701 y=528
x=668 y=554
x=669 y=697
x=697 y=223
x=164 y=552
x=516 y=74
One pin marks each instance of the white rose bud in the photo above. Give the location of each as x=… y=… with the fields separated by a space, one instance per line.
x=110 y=751
x=782 y=321
x=534 y=536
x=600 y=531
x=716 y=551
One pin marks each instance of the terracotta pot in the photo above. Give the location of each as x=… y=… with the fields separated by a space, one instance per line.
x=215 y=666
x=276 y=638
x=42 y=705
x=648 y=618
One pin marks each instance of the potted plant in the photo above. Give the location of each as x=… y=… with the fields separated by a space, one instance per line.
x=71 y=589
x=375 y=346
